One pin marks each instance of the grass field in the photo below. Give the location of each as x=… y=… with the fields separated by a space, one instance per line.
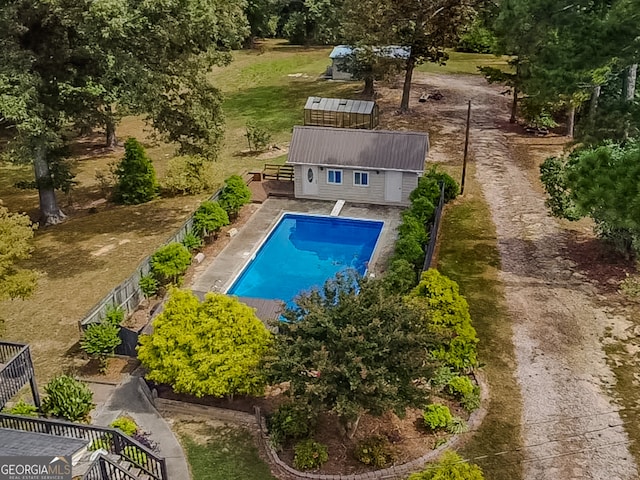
x=83 y=259
x=222 y=453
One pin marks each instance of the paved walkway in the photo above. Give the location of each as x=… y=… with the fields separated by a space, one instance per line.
x=129 y=399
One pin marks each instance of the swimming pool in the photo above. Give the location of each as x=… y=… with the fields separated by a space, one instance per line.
x=302 y=252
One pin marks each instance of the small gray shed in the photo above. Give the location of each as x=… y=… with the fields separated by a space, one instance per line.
x=342 y=54
x=341 y=113
x=361 y=166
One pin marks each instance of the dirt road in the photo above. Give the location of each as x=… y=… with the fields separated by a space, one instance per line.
x=570 y=423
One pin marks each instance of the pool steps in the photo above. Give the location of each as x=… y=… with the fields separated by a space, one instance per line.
x=337 y=208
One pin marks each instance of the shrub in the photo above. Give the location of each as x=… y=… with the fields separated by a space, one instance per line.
x=427 y=189
x=423 y=208
x=169 y=262
x=457 y=425
x=234 y=195
x=136 y=176
x=257 y=137
x=446 y=313
x=67 y=398
x=289 y=422
x=401 y=276
x=309 y=454
x=192 y=241
x=114 y=315
x=463 y=389
x=374 y=451
x=104 y=443
x=149 y=285
x=135 y=455
x=451 y=466
x=100 y=340
x=412 y=227
x=451 y=187
x=410 y=250
x=22 y=408
x=209 y=218
x=437 y=417
x=188 y=175
x=126 y=425
x=441 y=377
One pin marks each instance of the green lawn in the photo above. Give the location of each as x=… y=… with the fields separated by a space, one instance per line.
x=468 y=254
x=223 y=453
x=460 y=62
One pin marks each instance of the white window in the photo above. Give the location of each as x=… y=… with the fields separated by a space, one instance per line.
x=334 y=177
x=361 y=179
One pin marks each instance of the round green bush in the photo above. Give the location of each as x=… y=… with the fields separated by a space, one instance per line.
x=126 y=425
x=309 y=454
x=290 y=421
x=374 y=451
x=463 y=389
x=437 y=417
x=168 y=263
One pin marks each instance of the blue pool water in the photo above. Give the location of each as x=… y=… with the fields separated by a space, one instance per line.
x=302 y=252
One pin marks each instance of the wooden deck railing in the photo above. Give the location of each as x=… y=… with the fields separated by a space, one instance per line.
x=16 y=370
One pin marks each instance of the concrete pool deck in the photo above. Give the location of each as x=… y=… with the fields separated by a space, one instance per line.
x=223 y=270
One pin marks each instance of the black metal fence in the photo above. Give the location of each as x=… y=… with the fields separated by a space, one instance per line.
x=433 y=232
x=16 y=370
x=109 y=439
x=104 y=469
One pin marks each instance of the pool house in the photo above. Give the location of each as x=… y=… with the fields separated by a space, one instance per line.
x=360 y=166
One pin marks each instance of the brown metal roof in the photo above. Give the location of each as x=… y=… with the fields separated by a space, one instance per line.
x=369 y=149
x=339 y=105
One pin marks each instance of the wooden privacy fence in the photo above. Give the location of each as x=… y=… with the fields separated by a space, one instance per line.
x=128 y=294
x=433 y=232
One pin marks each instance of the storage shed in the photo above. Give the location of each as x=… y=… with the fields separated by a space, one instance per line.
x=362 y=166
x=341 y=55
x=340 y=113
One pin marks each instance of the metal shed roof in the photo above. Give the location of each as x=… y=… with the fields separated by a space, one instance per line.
x=339 y=105
x=388 y=51
x=369 y=149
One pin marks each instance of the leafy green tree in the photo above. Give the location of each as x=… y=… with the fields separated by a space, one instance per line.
x=446 y=313
x=88 y=63
x=136 y=176
x=211 y=348
x=209 y=218
x=603 y=183
x=169 y=262
x=234 y=195
x=451 y=466
x=353 y=348
x=16 y=232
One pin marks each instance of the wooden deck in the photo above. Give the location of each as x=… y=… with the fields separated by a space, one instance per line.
x=261 y=190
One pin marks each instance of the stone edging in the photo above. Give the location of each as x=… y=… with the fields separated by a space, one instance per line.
x=393 y=472
x=286 y=471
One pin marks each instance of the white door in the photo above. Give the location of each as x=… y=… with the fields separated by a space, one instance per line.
x=309 y=180
x=393 y=186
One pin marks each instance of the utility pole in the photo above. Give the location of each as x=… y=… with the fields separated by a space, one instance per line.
x=466 y=149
